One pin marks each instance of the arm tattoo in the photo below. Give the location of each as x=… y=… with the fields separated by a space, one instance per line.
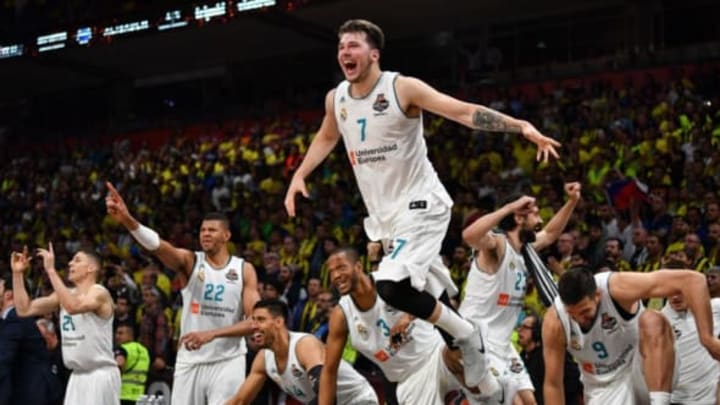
x=486 y=119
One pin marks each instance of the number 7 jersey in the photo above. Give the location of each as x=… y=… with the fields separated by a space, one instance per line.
x=386 y=149
x=212 y=299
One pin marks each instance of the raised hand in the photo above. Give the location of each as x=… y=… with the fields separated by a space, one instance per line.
x=20 y=261
x=522 y=205
x=115 y=204
x=546 y=145
x=48 y=257
x=573 y=190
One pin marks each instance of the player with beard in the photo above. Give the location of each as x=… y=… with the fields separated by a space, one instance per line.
x=294 y=360
x=496 y=283
x=379 y=117
x=625 y=352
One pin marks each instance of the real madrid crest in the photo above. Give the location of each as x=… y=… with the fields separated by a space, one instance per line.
x=201 y=273
x=362 y=330
x=343 y=114
x=574 y=343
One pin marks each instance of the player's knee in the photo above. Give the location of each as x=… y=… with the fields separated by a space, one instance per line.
x=393 y=293
x=401 y=295
x=654 y=326
x=387 y=290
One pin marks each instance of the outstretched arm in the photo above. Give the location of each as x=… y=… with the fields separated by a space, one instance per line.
x=420 y=94
x=478 y=235
x=320 y=147
x=333 y=355
x=557 y=224
x=629 y=287
x=19 y=263
x=173 y=258
x=92 y=301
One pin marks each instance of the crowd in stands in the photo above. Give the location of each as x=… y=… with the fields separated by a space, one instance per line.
x=660 y=138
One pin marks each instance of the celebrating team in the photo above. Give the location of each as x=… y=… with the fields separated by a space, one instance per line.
x=401 y=317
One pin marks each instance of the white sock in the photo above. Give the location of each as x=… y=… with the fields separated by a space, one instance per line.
x=454 y=324
x=659 y=398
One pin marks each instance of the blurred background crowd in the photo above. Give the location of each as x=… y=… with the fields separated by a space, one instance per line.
x=642 y=136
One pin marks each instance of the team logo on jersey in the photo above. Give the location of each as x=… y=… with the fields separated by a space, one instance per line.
x=343 y=114
x=574 y=342
x=232 y=275
x=512 y=265
x=201 y=273
x=494 y=372
x=381 y=104
x=362 y=330
x=516 y=367
x=607 y=321
x=296 y=372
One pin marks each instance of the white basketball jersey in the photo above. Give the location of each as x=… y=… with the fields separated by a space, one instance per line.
x=370 y=335
x=605 y=353
x=295 y=380
x=87 y=340
x=212 y=299
x=496 y=299
x=697 y=367
x=386 y=149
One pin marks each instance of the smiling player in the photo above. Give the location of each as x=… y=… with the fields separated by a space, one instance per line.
x=379 y=117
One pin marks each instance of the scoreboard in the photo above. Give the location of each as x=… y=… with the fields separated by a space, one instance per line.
x=174 y=19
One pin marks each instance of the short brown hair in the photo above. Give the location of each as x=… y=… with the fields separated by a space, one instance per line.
x=373 y=33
